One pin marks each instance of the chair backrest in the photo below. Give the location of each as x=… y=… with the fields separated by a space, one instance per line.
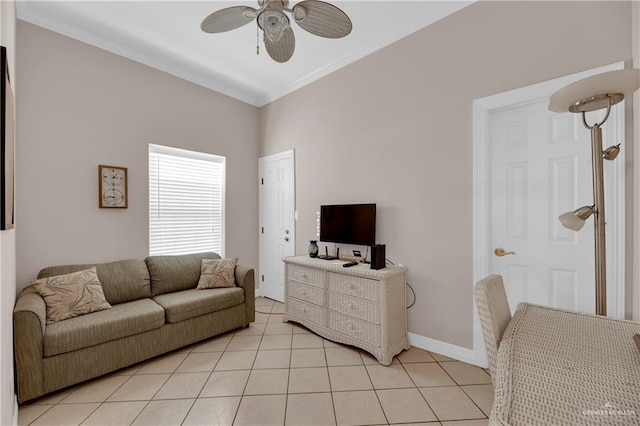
x=494 y=313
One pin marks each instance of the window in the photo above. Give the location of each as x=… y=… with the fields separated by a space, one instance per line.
x=186 y=201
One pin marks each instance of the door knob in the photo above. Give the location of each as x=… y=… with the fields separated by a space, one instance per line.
x=501 y=252
x=286 y=238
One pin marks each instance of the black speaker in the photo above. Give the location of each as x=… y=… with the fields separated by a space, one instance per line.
x=378 y=256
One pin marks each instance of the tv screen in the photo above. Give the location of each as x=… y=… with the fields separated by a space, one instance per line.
x=348 y=224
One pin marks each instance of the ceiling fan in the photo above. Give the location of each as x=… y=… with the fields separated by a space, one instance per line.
x=315 y=16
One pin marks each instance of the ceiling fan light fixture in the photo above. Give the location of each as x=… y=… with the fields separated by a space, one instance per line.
x=299 y=13
x=249 y=12
x=274 y=23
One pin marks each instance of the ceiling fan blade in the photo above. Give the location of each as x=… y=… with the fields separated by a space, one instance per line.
x=281 y=51
x=228 y=19
x=322 y=19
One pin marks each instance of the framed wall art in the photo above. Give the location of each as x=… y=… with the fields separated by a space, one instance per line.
x=6 y=145
x=112 y=187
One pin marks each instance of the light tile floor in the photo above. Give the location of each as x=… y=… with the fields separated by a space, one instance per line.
x=274 y=373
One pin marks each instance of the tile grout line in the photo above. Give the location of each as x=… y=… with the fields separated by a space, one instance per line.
x=244 y=389
x=107 y=398
x=473 y=400
x=333 y=402
x=418 y=388
x=460 y=387
x=203 y=385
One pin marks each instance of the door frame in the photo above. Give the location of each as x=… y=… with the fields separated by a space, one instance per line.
x=482 y=109
x=285 y=155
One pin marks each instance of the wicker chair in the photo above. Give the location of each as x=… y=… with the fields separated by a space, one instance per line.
x=494 y=313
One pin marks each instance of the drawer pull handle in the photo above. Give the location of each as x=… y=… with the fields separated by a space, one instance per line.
x=304 y=293
x=303 y=309
x=350 y=326
x=351 y=306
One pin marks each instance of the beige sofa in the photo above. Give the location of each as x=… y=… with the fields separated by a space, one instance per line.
x=156 y=308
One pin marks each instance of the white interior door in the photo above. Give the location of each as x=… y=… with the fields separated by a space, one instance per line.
x=530 y=166
x=277 y=227
x=541 y=168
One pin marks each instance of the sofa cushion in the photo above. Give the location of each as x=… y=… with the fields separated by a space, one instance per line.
x=217 y=273
x=182 y=305
x=71 y=295
x=124 y=319
x=122 y=281
x=175 y=273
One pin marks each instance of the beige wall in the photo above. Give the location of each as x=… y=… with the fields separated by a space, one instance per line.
x=395 y=128
x=81 y=106
x=7 y=244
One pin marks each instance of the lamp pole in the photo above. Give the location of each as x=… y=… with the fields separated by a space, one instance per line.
x=599 y=216
x=591 y=104
x=595 y=93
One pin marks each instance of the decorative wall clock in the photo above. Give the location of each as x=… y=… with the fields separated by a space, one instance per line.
x=112 y=187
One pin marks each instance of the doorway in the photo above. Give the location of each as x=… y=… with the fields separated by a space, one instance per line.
x=530 y=166
x=276 y=195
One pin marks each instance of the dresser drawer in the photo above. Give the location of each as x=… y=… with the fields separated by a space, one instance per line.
x=305 y=275
x=305 y=292
x=305 y=310
x=363 y=331
x=354 y=307
x=354 y=286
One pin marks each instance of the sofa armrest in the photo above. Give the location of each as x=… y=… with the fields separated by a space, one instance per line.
x=245 y=278
x=29 y=323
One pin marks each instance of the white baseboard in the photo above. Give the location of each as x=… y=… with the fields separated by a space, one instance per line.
x=15 y=410
x=443 y=348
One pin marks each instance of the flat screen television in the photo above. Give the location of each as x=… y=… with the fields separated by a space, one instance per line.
x=348 y=224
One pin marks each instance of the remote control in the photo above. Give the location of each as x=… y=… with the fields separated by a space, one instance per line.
x=346 y=265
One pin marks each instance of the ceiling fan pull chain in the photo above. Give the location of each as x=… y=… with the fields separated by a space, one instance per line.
x=257 y=41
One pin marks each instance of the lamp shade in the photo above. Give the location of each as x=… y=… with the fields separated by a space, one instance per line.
x=592 y=90
x=611 y=153
x=575 y=220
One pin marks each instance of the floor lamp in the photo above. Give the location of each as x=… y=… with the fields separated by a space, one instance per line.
x=592 y=94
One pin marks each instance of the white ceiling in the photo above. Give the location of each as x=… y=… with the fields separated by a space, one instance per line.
x=166 y=35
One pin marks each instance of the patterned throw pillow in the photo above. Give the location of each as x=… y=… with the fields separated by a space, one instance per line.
x=71 y=295
x=217 y=273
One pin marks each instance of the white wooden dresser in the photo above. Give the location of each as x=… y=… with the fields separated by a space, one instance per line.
x=357 y=306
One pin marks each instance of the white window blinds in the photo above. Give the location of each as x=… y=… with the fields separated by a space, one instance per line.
x=186 y=201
